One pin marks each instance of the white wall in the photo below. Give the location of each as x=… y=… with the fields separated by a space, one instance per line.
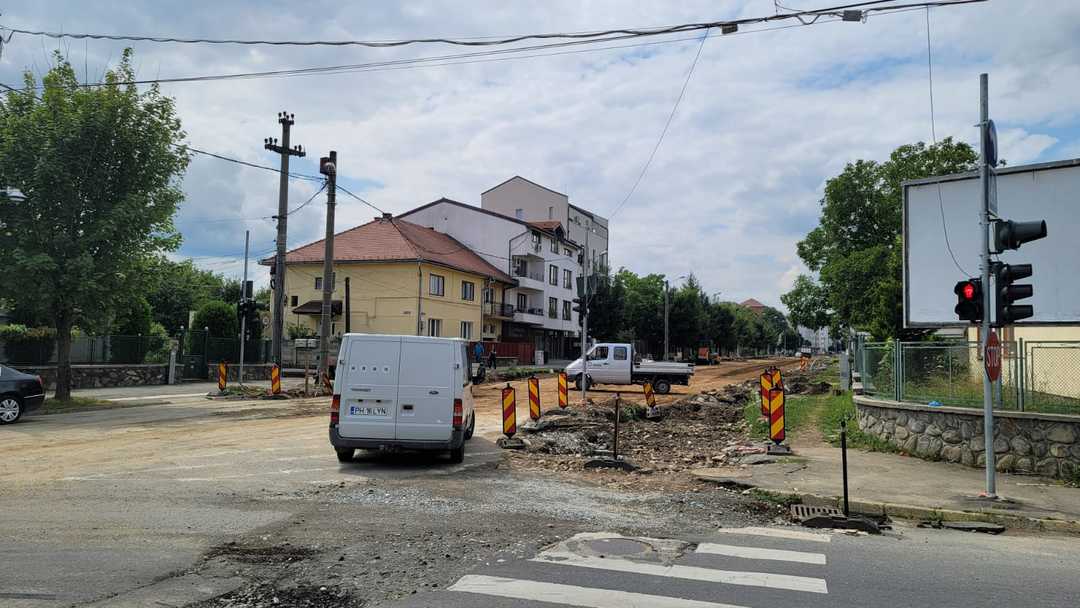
x=537 y=203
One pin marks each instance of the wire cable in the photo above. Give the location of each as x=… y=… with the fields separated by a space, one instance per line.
x=342 y=188
x=305 y=203
x=663 y=133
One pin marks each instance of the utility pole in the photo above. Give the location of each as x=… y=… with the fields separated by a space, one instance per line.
x=585 y=317
x=243 y=309
x=278 y=283
x=667 y=289
x=984 y=256
x=348 y=308
x=328 y=167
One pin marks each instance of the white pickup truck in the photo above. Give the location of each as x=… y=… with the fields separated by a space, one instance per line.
x=613 y=363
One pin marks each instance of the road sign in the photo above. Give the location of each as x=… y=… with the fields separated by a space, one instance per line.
x=992 y=357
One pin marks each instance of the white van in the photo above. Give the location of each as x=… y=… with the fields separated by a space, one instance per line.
x=410 y=392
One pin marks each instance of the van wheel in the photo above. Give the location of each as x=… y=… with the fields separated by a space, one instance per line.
x=472 y=426
x=457 y=455
x=661 y=386
x=345 y=454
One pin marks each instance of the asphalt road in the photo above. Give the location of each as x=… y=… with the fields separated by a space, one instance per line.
x=189 y=499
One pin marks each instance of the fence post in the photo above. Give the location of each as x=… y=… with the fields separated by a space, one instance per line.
x=1020 y=375
x=897 y=363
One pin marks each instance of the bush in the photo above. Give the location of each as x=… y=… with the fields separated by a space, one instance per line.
x=28 y=346
x=300 y=331
x=219 y=317
x=159 y=345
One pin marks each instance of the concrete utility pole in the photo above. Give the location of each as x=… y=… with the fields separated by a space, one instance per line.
x=243 y=303
x=271 y=143
x=585 y=317
x=328 y=167
x=984 y=256
x=667 y=349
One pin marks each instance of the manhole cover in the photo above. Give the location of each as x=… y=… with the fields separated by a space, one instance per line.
x=619 y=546
x=804 y=512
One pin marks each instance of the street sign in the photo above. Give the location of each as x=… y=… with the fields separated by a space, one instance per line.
x=992 y=357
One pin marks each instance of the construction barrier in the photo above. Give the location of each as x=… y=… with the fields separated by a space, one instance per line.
x=275 y=379
x=328 y=384
x=222 y=376
x=564 y=393
x=650 y=400
x=776 y=416
x=509 y=411
x=770 y=379
x=804 y=362
x=534 y=398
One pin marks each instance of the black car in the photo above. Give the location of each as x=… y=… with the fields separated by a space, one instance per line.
x=19 y=393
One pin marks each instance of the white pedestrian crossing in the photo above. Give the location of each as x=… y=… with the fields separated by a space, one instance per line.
x=589 y=571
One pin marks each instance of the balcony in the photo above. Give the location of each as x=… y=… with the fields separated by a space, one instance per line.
x=498 y=310
x=531 y=316
x=530 y=280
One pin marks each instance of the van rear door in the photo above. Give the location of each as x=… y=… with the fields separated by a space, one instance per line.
x=425 y=392
x=369 y=387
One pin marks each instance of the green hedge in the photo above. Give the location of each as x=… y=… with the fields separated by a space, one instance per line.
x=28 y=345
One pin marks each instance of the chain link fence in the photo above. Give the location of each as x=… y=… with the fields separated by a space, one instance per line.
x=1035 y=376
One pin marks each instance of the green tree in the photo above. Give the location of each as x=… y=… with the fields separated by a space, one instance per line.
x=133 y=318
x=687 y=320
x=643 y=312
x=98 y=169
x=219 y=318
x=856 y=248
x=807 y=304
x=175 y=288
x=606 y=308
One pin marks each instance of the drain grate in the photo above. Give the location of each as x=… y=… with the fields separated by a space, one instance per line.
x=804 y=512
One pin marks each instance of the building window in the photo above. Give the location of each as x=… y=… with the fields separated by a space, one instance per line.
x=434 y=327
x=567 y=252
x=523 y=302
x=519 y=213
x=551 y=213
x=468 y=291
x=437 y=285
x=567 y=278
x=489 y=295
x=554 y=246
x=295 y=301
x=566 y=310
x=318 y=283
x=466 y=330
x=603 y=260
x=553 y=274
x=553 y=305
x=521 y=267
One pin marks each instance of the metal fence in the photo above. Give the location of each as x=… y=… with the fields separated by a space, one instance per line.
x=1035 y=375
x=87 y=350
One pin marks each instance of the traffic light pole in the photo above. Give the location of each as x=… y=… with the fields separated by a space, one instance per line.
x=585 y=318
x=243 y=317
x=984 y=254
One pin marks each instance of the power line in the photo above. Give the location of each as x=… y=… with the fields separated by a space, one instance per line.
x=663 y=133
x=340 y=187
x=588 y=35
x=305 y=203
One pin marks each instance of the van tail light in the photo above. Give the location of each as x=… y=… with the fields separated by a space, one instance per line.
x=335 y=408
x=458 y=414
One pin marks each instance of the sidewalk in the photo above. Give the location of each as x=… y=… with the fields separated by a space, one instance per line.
x=157 y=391
x=907 y=487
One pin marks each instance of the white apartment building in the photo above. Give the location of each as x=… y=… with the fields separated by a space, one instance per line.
x=538 y=255
x=520 y=198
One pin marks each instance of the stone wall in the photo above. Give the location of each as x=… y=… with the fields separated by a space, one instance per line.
x=252 y=371
x=103 y=376
x=1024 y=442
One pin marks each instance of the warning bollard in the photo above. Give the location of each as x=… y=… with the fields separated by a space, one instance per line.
x=652 y=413
x=766 y=385
x=509 y=411
x=564 y=395
x=275 y=379
x=222 y=376
x=328 y=384
x=534 y=398
x=777 y=430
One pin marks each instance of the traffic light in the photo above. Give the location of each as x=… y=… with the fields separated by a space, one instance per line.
x=1005 y=312
x=969 y=300
x=581 y=309
x=1010 y=235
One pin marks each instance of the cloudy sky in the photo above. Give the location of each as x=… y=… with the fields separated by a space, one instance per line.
x=767 y=117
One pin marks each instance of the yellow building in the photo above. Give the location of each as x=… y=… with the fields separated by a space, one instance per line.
x=396 y=277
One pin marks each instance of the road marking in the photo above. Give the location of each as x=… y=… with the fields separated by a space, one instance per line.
x=779 y=533
x=760 y=553
x=727 y=577
x=571 y=595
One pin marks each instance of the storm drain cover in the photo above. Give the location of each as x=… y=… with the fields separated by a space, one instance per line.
x=805 y=512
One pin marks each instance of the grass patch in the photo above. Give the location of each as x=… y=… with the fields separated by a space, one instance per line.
x=800 y=411
x=517 y=373
x=842 y=407
x=59 y=406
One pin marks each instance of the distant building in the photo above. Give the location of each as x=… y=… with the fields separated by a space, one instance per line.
x=819 y=340
x=753 y=305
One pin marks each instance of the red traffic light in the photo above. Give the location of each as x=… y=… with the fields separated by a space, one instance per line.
x=969 y=291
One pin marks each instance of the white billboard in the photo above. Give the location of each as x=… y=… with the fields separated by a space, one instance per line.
x=937 y=206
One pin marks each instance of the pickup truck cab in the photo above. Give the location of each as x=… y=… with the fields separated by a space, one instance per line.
x=616 y=363
x=409 y=392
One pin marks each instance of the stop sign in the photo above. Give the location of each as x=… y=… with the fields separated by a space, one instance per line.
x=992 y=357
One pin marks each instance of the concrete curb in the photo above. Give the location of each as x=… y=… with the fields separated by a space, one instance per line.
x=902 y=511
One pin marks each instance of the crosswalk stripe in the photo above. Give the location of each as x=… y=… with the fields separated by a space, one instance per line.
x=761 y=553
x=778 y=533
x=572 y=595
x=729 y=577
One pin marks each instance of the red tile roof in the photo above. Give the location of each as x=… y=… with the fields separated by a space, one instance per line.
x=548 y=225
x=751 y=303
x=395 y=240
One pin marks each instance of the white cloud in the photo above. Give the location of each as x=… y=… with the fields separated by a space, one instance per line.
x=766 y=120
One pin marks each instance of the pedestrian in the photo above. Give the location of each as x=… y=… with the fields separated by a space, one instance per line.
x=492 y=361
x=478 y=352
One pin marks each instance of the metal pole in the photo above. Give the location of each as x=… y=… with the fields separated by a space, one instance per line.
x=348 y=308
x=618 y=412
x=585 y=318
x=667 y=288
x=329 y=167
x=843 y=460
x=984 y=256
x=243 y=318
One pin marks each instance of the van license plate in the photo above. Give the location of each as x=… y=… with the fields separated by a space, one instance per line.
x=356 y=410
